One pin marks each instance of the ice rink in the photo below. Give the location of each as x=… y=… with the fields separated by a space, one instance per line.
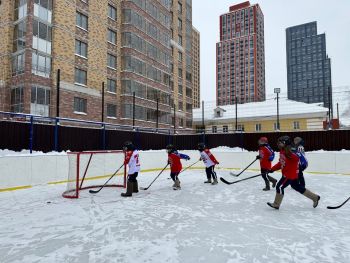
x=200 y=223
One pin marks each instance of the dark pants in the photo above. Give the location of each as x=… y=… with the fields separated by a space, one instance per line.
x=174 y=175
x=264 y=175
x=301 y=178
x=210 y=172
x=132 y=177
x=284 y=182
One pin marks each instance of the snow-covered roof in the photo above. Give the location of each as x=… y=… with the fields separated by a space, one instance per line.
x=265 y=109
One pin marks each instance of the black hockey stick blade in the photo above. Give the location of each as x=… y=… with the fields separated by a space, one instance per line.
x=224 y=181
x=94 y=191
x=339 y=206
x=233 y=174
x=234 y=182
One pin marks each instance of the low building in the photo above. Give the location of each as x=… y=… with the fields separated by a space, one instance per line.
x=260 y=117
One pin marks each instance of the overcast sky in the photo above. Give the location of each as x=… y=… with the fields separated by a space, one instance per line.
x=333 y=18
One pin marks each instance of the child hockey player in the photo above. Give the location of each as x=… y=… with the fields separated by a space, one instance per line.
x=266 y=156
x=175 y=164
x=209 y=160
x=303 y=163
x=289 y=163
x=132 y=160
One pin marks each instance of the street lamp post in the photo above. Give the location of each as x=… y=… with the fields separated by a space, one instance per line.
x=277 y=91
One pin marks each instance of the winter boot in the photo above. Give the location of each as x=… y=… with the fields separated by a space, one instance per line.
x=208 y=181
x=135 y=188
x=272 y=180
x=215 y=181
x=176 y=185
x=267 y=186
x=129 y=189
x=278 y=200
x=312 y=196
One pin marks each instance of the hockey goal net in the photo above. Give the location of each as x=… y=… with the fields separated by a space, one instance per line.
x=92 y=169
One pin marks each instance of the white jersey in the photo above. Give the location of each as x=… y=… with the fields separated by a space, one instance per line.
x=207 y=157
x=132 y=159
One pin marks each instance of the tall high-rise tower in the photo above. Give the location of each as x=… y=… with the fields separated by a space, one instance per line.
x=308 y=66
x=240 y=54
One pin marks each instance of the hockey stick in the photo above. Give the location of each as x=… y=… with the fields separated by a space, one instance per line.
x=146 y=188
x=244 y=169
x=226 y=182
x=339 y=206
x=190 y=166
x=187 y=168
x=96 y=191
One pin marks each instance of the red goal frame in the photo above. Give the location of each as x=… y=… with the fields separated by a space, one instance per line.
x=79 y=182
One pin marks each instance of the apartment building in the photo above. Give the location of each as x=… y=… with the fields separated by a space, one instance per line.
x=196 y=68
x=308 y=65
x=240 y=56
x=111 y=60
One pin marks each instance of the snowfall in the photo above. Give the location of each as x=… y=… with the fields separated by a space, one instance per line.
x=199 y=223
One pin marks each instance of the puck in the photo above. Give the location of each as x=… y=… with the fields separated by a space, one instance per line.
x=48 y=202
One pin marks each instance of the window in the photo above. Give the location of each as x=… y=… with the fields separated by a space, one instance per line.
x=112 y=12
x=18 y=64
x=111 y=85
x=42 y=36
x=296 y=125
x=111 y=36
x=80 y=76
x=180 y=40
x=214 y=129
x=80 y=48
x=258 y=127
x=19 y=41
x=180 y=72
x=179 y=24
x=41 y=30
x=41 y=64
x=80 y=105
x=180 y=55
x=17 y=100
x=40 y=95
x=225 y=128
x=111 y=61
x=82 y=21
x=111 y=110
x=179 y=8
x=240 y=127
x=43 y=10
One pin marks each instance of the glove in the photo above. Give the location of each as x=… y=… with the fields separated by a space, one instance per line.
x=270 y=171
x=217 y=163
x=188 y=158
x=258 y=157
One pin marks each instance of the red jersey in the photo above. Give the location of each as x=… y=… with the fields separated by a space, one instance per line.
x=175 y=163
x=289 y=165
x=266 y=156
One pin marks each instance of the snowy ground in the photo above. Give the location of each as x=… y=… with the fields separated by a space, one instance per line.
x=200 y=223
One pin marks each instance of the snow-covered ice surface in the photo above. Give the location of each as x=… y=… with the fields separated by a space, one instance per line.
x=200 y=223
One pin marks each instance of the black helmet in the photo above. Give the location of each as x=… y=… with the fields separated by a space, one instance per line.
x=201 y=146
x=298 y=141
x=128 y=146
x=285 y=140
x=170 y=148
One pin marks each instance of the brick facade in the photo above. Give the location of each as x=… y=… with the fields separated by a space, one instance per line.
x=63 y=57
